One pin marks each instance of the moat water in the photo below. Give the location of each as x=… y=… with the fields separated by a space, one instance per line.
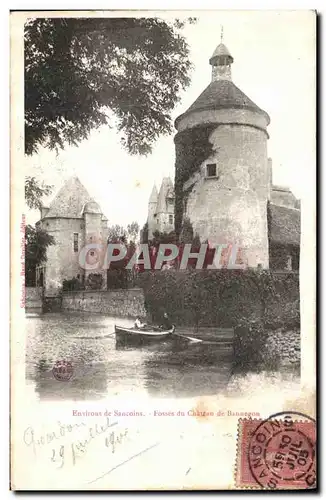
x=173 y=368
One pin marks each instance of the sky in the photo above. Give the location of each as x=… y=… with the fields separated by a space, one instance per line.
x=274 y=65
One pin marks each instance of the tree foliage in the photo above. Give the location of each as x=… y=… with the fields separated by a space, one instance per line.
x=133 y=231
x=192 y=147
x=126 y=235
x=34 y=191
x=81 y=73
x=144 y=233
x=163 y=238
x=36 y=239
x=36 y=243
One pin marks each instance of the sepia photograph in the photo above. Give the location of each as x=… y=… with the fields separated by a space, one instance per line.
x=163 y=250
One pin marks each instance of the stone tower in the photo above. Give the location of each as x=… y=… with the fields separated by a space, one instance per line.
x=75 y=220
x=161 y=208
x=152 y=203
x=225 y=196
x=95 y=233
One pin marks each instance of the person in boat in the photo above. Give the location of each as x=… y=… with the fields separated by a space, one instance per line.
x=138 y=323
x=166 y=323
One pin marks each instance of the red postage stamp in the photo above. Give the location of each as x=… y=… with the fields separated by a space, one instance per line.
x=277 y=453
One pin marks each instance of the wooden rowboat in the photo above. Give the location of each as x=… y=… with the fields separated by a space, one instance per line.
x=141 y=335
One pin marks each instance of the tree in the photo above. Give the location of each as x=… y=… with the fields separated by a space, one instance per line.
x=117 y=233
x=118 y=276
x=81 y=73
x=144 y=233
x=34 y=191
x=187 y=232
x=163 y=238
x=36 y=243
x=133 y=231
x=36 y=240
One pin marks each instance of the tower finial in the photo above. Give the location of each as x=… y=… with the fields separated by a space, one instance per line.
x=222 y=33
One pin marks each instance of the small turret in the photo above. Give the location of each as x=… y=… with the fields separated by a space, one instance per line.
x=152 y=204
x=221 y=61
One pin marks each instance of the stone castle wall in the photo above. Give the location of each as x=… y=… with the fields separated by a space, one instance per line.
x=33 y=297
x=284 y=345
x=119 y=303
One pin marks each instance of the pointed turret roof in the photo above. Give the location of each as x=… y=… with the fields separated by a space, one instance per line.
x=222 y=93
x=154 y=195
x=166 y=190
x=70 y=200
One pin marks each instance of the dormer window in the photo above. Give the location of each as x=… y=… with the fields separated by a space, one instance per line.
x=211 y=170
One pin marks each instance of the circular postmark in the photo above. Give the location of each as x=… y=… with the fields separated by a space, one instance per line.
x=281 y=452
x=63 y=370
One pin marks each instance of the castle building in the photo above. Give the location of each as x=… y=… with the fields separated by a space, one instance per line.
x=74 y=219
x=161 y=209
x=229 y=197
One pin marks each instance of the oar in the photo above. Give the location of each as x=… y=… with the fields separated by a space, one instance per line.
x=98 y=337
x=187 y=337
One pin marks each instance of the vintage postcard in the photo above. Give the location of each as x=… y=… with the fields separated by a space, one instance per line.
x=163 y=197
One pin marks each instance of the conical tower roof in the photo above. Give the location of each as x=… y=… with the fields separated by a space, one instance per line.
x=166 y=190
x=154 y=195
x=70 y=200
x=223 y=94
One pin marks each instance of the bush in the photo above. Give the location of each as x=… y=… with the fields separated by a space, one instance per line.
x=70 y=285
x=221 y=298
x=117 y=278
x=250 y=338
x=94 y=281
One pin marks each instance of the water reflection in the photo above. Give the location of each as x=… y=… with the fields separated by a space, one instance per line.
x=174 y=367
x=188 y=370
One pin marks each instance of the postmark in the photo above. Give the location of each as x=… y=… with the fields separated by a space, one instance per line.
x=277 y=453
x=63 y=370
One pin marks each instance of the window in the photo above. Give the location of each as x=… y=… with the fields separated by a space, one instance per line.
x=170 y=219
x=75 y=242
x=211 y=170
